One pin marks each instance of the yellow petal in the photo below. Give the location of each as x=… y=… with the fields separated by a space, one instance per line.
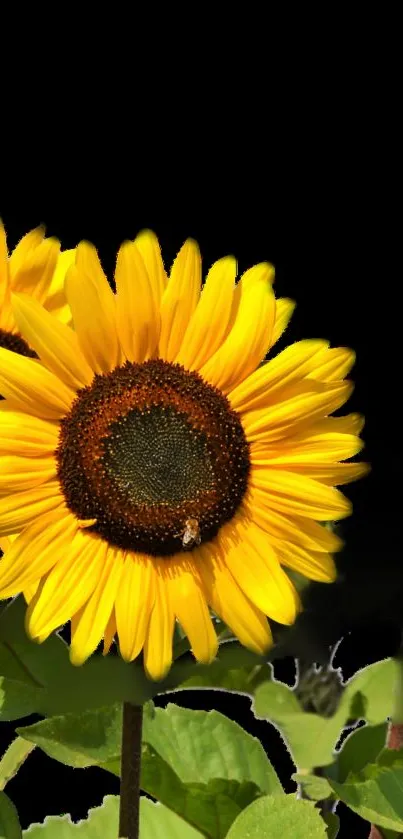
x=30 y=590
x=21 y=508
x=110 y=632
x=67 y=586
x=284 y=312
x=137 y=316
x=208 y=325
x=291 y=493
x=147 y=244
x=55 y=294
x=227 y=600
x=5 y=542
x=134 y=602
x=25 y=248
x=21 y=473
x=27 y=435
x=250 y=337
x=293 y=363
x=179 y=299
x=291 y=415
x=55 y=343
x=308 y=450
x=4 y=278
x=314 y=566
x=158 y=642
x=31 y=388
x=334 y=474
x=336 y=364
x=32 y=268
x=88 y=630
x=297 y=529
x=6 y=319
x=189 y=606
x=35 y=551
x=253 y=564
x=93 y=309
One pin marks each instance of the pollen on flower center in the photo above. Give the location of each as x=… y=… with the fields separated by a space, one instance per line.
x=148 y=447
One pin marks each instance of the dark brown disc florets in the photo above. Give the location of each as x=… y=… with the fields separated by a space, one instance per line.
x=147 y=448
x=11 y=341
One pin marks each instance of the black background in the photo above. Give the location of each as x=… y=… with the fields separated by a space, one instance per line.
x=318 y=216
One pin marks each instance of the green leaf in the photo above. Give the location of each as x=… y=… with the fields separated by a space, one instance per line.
x=376 y=793
x=311 y=738
x=285 y=818
x=211 y=807
x=13 y=758
x=237 y=680
x=188 y=674
x=200 y=764
x=18 y=699
x=362 y=746
x=9 y=821
x=332 y=823
x=220 y=748
x=222 y=771
x=88 y=739
x=156 y=822
x=314 y=786
x=375 y=685
x=11 y=667
x=100 y=681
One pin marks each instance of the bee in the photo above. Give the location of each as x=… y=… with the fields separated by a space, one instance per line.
x=191 y=534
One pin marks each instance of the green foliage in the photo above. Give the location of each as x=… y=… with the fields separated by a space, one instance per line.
x=332 y=823
x=91 y=738
x=201 y=745
x=235 y=669
x=376 y=793
x=314 y=786
x=237 y=680
x=362 y=746
x=200 y=764
x=156 y=822
x=62 y=687
x=18 y=699
x=9 y=821
x=46 y=682
x=285 y=818
x=13 y=758
x=207 y=772
x=312 y=738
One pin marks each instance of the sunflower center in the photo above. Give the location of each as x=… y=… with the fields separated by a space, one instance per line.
x=155 y=455
x=13 y=342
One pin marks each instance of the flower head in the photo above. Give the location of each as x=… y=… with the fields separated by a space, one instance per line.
x=35 y=267
x=155 y=467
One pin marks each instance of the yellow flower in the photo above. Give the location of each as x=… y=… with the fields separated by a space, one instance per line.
x=35 y=267
x=155 y=469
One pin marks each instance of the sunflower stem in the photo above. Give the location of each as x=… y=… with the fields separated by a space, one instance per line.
x=129 y=814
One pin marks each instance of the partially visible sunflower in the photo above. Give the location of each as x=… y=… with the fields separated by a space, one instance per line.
x=154 y=469
x=36 y=267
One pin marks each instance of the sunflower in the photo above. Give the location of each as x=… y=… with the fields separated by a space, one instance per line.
x=155 y=470
x=35 y=267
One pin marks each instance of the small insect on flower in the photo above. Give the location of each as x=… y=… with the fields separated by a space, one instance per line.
x=191 y=535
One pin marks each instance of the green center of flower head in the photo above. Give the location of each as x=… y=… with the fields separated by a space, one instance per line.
x=155 y=455
x=13 y=342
